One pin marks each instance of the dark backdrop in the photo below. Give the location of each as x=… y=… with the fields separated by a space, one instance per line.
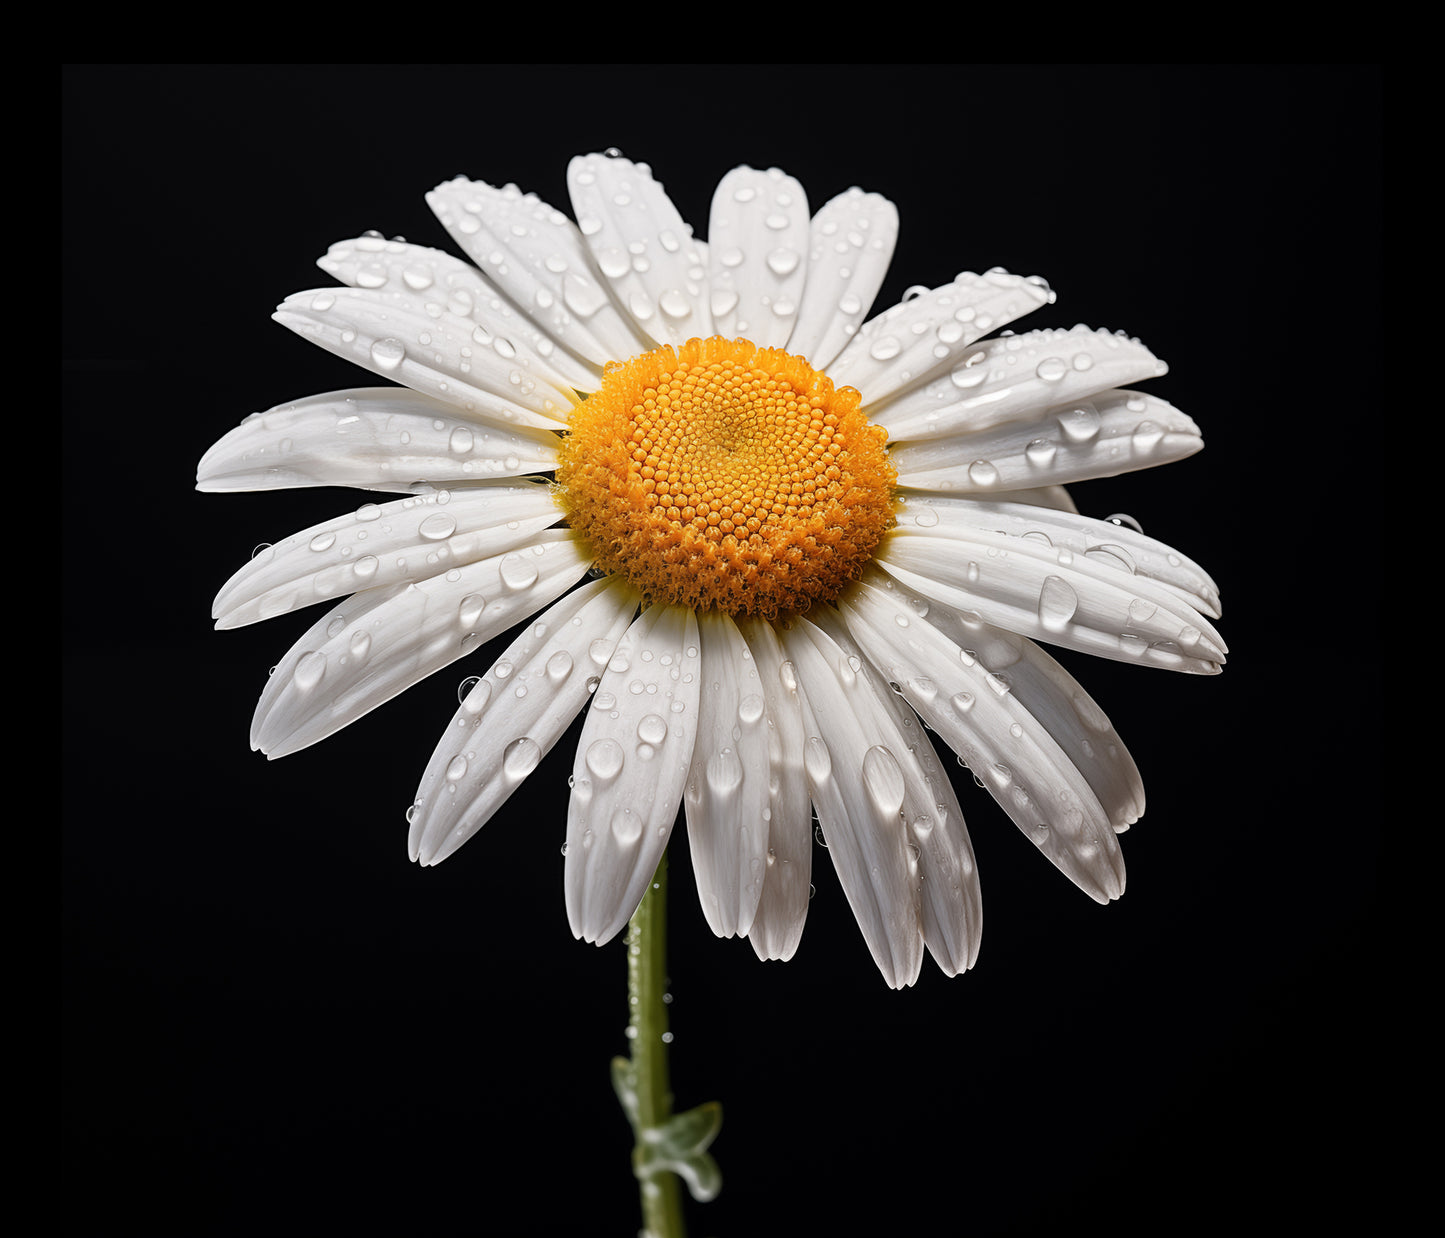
x=275 y=1024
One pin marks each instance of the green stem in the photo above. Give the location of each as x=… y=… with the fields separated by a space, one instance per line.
x=647 y=1032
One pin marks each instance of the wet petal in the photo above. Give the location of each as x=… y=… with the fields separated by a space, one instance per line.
x=656 y=270
x=850 y=246
x=778 y=924
x=1010 y=751
x=1103 y=542
x=515 y=713
x=536 y=256
x=758 y=240
x=632 y=763
x=859 y=800
x=377 y=644
x=1115 y=432
x=432 y=351
x=372 y=438
x=726 y=798
x=382 y=544
x=1013 y=378
x=380 y=265
x=950 y=904
x=1055 y=596
x=927 y=334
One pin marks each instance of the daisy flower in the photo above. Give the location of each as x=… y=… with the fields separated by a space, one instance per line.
x=778 y=543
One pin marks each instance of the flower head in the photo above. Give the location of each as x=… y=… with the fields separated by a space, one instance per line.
x=809 y=534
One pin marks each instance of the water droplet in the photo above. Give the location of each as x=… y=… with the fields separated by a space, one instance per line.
x=1140 y=611
x=816 y=758
x=457 y=770
x=387 y=354
x=604 y=758
x=1080 y=424
x=724 y=772
x=652 y=729
x=626 y=826
x=1057 y=603
x=518 y=573
x=309 y=670
x=1128 y=522
x=559 y=666
x=437 y=526
x=1040 y=453
x=983 y=473
x=883 y=779
x=475 y=693
x=470 y=609
x=520 y=758
x=1051 y=369
x=323 y=541
x=365 y=567
x=750 y=708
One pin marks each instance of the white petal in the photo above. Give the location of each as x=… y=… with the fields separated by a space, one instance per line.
x=726 y=798
x=377 y=644
x=860 y=815
x=632 y=763
x=1115 y=432
x=1049 y=693
x=381 y=545
x=1009 y=750
x=394 y=266
x=656 y=270
x=757 y=255
x=372 y=438
x=918 y=338
x=432 y=351
x=1104 y=543
x=515 y=713
x=1055 y=596
x=1014 y=378
x=950 y=903
x=534 y=254
x=778 y=925
x=850 y=246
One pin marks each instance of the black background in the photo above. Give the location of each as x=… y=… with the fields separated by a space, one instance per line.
x=275 y=1024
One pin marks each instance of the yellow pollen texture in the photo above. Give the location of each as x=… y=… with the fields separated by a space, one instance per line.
x=723 y=475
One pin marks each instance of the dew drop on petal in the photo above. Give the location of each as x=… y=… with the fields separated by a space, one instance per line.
x=309 y=670
x=604 y=758
x=883 y=780
x=816 y=758
x=652 y=729
x=475 y=693
x=626 y=826
x=1057 y=603
x=983 y=473
x=520 y=758
x=750 y=708
x=518 y=573
x=559 y=666
x=437 y=526
x=470 y=609
x=387 y=354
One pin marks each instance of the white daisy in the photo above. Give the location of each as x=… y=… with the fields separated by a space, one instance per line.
x=823 y=551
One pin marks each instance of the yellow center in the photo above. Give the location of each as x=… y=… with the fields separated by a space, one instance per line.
x=723 y=475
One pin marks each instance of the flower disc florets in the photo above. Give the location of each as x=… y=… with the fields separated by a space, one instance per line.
x=723 y=475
